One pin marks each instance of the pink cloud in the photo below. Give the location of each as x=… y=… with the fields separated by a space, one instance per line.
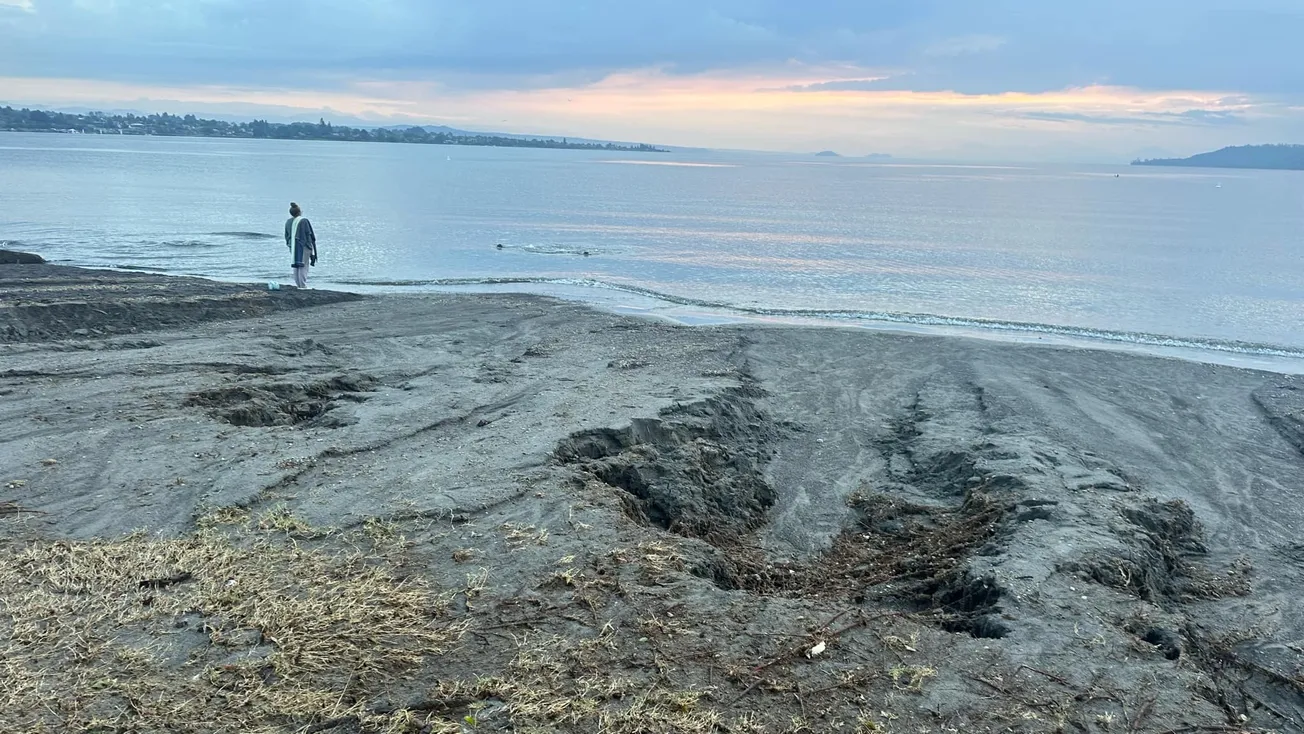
x=791 y=107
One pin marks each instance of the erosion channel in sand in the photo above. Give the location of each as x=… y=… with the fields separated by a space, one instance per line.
x=226 y=507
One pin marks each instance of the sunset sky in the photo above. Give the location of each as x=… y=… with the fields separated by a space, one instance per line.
x=998 y=80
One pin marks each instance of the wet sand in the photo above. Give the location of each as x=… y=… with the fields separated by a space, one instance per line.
x=983 y=537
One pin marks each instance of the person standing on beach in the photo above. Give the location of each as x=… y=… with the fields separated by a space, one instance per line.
x=300 y=238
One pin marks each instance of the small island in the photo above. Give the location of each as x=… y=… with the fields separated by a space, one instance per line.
x=98 y=123
x=1270 y=157
x=879 y=157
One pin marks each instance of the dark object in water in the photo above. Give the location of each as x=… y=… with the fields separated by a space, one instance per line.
x=586 y=253
x=10 y=257
x=248 y=235
x=499 y=245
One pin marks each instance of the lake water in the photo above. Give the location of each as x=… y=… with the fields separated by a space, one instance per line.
x=1159 y=258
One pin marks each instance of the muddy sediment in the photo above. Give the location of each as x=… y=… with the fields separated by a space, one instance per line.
x=256 y=403
x=627 y=526
x=939 y=555
x=697 y=470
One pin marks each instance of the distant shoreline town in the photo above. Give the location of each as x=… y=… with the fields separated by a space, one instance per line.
x=164 y=124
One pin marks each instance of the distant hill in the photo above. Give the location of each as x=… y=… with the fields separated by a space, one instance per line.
x=1274 y=157
x=458 y=132
x=870 y=157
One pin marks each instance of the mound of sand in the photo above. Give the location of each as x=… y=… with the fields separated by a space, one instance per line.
x=9 y=257
x=44 y=302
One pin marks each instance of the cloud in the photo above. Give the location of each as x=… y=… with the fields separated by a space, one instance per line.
x=840 y=85
x=1186 y=117
x=962 y=45
x=1214 y=117
x=1002 y=45
x=1093 y=119
x=788 y=108
x=927 y=75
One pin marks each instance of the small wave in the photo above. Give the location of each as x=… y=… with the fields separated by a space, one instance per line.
x=246 y=235
x=550 y=249
x=889 y=317
x=13 y=246
x=439 y=282
x=187 y=244
x=143 y=268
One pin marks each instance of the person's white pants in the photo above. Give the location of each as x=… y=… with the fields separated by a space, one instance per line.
x=301 y=276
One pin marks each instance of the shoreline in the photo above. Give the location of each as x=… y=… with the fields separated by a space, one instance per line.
x=631 y=524
x=1279 y=359
x=308 y=132
x=1243 y=355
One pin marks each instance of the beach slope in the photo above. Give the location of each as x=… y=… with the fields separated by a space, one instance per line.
x=319 y=512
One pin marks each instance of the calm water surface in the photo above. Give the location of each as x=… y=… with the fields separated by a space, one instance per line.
x=1204 y=259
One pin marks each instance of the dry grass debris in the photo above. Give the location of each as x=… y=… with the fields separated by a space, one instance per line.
x=556 y=683
x=660 y=560
x=519 y=534
x=280 y=518
x=220 y=631
x=929 y=544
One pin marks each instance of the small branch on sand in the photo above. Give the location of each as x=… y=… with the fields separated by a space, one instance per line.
x=439 y=704
x=1206 y=728
x=1140 y=719
x=13 y=508
x=1051 y=676
x=163 y=583
x=820 y=632
x=1013 y=695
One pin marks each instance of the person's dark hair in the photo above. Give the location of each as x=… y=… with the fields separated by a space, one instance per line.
x=295 y=210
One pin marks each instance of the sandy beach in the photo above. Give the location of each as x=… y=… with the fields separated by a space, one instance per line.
x=232 y=509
